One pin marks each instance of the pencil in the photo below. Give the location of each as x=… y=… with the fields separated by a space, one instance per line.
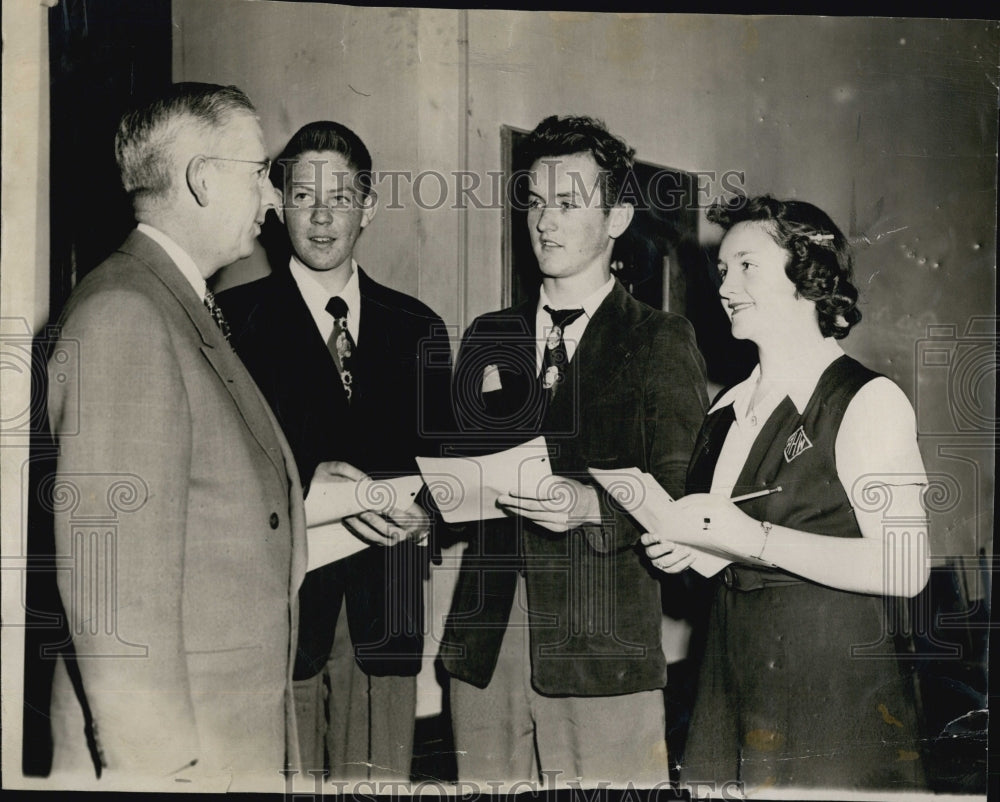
x=758 y=494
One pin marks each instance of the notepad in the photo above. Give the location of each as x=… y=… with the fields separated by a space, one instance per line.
x=642 y=497
x=330 y=501
x=467 y=488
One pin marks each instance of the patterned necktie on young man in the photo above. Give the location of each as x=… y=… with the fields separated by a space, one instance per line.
x=341 y=343
x=556 y=359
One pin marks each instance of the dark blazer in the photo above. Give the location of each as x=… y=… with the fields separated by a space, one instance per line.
x=634 y=395
x=400 y=407
x=173 y=473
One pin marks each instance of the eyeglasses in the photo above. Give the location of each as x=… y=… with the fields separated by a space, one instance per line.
x=263 y=167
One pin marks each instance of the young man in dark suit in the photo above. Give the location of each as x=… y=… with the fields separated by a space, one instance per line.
x=343 y=361
x=553 y=639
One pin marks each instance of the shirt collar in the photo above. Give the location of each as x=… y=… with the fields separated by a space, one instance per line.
x=179 y=257
x=797 y=380
x=316 y=295
x=589 y=304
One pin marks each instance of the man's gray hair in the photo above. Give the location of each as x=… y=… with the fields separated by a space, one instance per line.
x=145 y=135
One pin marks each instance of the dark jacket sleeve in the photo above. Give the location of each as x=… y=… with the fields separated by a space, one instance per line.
x=674 y=402
x=435 y=420
x=465 y=390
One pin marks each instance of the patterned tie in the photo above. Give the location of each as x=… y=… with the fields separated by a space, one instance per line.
x=556 y=358
x=216 y=312
x=341 y=343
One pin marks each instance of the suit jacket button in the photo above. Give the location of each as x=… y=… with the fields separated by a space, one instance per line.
x=274 y=520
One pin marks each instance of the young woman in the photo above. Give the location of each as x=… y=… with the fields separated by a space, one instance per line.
x=800 y=685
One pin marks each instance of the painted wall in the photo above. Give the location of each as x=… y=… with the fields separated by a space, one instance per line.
x=888 y=125
x=389 y=74
x=24 y=300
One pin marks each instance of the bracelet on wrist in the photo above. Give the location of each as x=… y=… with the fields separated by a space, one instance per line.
x=766 y=527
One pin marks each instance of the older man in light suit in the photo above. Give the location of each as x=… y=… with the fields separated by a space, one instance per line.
x=181 y=601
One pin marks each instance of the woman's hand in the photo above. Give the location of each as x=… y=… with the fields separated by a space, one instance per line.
x=669 y=557
x=708 y=521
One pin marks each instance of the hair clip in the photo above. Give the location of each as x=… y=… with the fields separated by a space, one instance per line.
x=820 y=237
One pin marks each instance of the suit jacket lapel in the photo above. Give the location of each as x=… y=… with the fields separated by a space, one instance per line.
x=374 y=337
x=606 y=347
x=518 y=374
x=295 y=322
x=218 y=352
x=373 y=328
x=601 y=355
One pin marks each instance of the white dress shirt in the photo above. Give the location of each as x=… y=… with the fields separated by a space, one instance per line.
x=317 y=297
x=574 y=331
x=179 y=257
x=877 y=434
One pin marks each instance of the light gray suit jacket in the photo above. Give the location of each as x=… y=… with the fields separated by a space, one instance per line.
x=179 y=508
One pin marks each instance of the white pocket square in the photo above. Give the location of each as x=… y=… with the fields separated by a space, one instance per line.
x=491 y=379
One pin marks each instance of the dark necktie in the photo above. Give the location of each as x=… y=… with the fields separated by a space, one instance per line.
x=341 y=343
x=216 y=312
x=556 y=359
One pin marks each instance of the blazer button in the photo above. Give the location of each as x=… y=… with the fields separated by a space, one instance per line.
x=274 y=520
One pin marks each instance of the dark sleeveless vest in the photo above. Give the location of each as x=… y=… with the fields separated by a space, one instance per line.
x=776 y=652
x=794 y=451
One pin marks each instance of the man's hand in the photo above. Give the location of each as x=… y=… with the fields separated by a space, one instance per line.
x=335 y=470
x=415 y=522
x=560 y=504
x=333 y=493
x=392 y=527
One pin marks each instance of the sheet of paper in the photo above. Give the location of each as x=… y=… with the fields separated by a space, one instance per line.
x=642 y=497
x=327 y=543
x=329 y=501
x=467 y=488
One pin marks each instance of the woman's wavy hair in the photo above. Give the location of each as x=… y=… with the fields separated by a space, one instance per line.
x=820 y=264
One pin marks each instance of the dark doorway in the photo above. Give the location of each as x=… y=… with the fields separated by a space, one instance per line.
x=105 y=55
